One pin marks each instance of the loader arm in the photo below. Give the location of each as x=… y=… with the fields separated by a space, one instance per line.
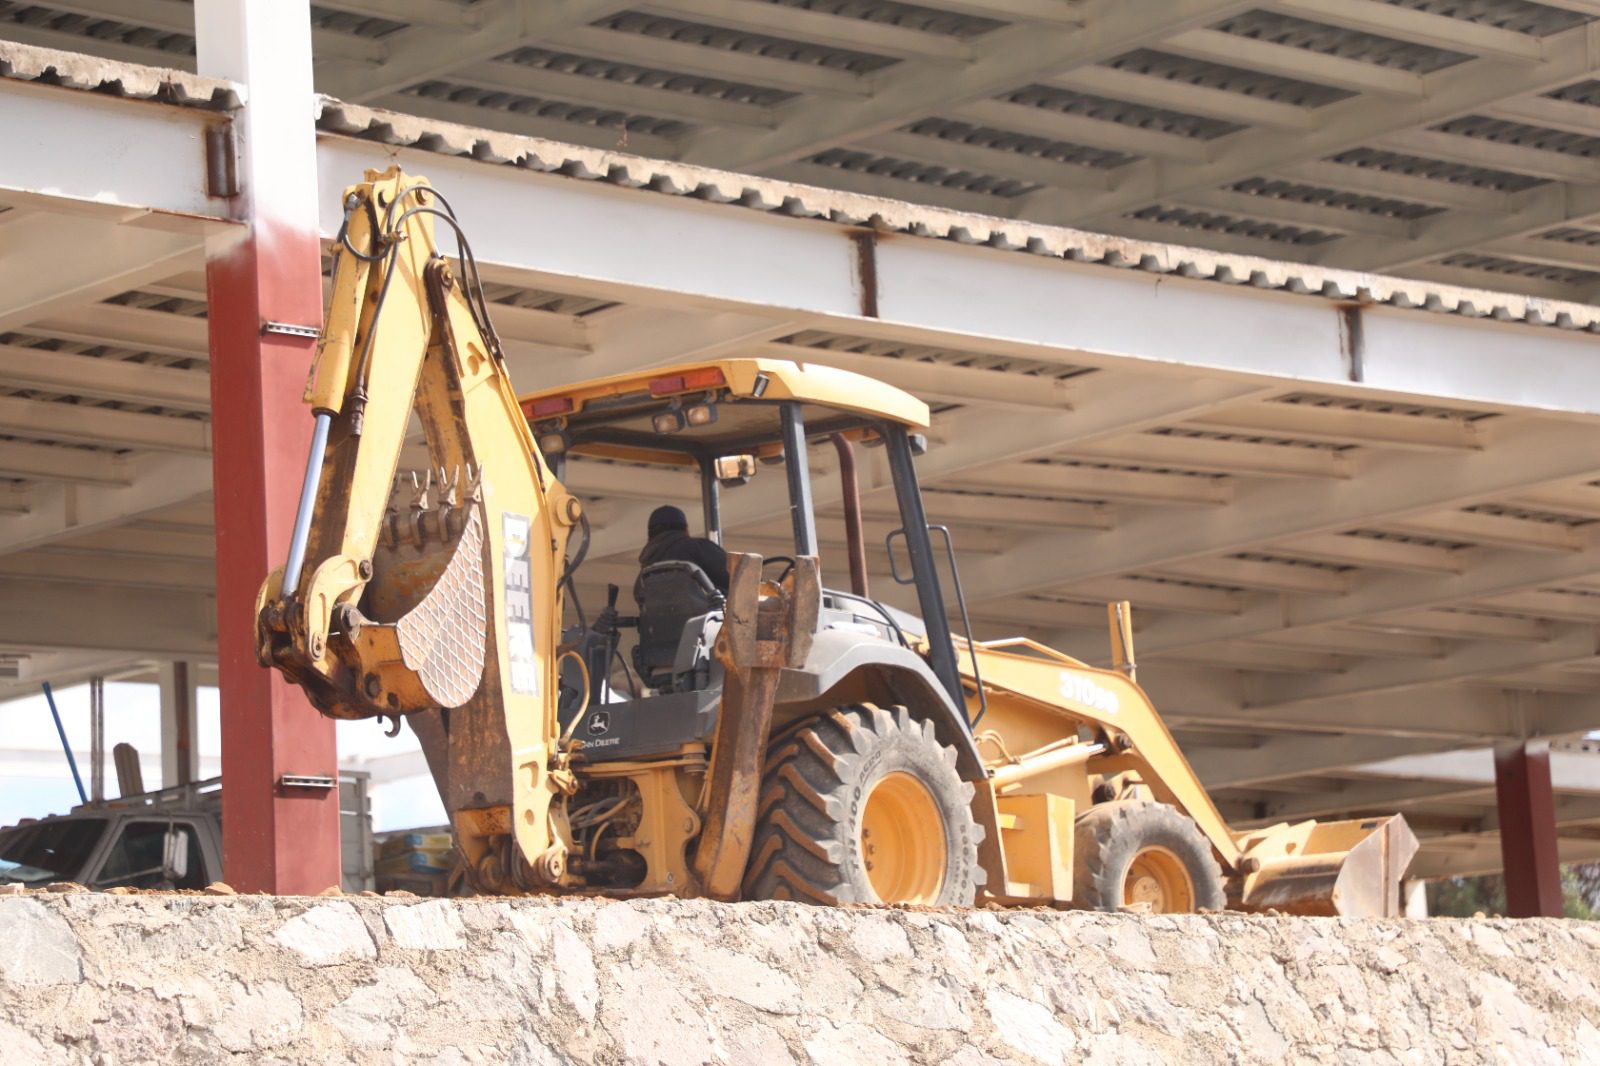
x=438 y=597
x=1025 y=672
x=1036 y=694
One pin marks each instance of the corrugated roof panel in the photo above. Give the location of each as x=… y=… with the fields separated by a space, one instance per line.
x=1518 y=16
x=1529 y=514
x=1589 y=238
x=1398 y=408
x=154 y=301
x=1067 y=102
x=368 y=26
x=628 y=73
x=85 y=403
x=1190 y=433
x=541 y=300
x=1494 y=264
x=1582 y=92
x=1408 y=538
x=1021 y=143
x=924 y=353
x=1437 y=170
x=1208 y=75
x=1216 y=222
x=95 y=28
x=1346 y=44
x=1523 y=135
x=517 y=103
x=748 y=192
x=1288 y=560
x=1127 y=467
x=43 y=342
x=1300 y=193
x=922 y=173
x=686 y=32
x=906 y=16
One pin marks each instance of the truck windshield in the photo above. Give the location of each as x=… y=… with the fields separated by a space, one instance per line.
x=48 y=851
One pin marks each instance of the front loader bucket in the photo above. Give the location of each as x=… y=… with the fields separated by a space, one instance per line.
x=1348 y=868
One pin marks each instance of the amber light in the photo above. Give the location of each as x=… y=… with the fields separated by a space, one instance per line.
x=704 y=378
x=550 y=405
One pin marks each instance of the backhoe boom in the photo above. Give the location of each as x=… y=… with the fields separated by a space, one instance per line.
x=437 y=597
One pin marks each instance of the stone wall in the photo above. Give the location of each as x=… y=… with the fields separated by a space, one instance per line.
x=88 y=978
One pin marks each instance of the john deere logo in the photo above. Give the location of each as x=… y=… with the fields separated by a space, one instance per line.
x=599 y=723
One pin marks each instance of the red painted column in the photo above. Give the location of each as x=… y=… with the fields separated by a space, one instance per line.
x=275 y=839
x=1528 y=831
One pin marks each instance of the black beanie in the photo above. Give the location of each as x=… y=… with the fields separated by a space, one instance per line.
x=666 y=517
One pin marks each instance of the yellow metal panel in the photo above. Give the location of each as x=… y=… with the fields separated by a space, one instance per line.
x=1037 y=696
x=1036 y=832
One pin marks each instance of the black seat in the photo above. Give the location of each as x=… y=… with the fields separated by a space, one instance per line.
x=672 y=594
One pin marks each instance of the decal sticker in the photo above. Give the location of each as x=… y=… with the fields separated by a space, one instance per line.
x=520 y=651
x=1081 y=689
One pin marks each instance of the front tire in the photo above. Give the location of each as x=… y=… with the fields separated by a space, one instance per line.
x=864 y=805
x=1149 y=855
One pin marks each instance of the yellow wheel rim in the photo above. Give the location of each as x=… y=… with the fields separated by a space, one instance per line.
x=1158 y=879
x=902 y=840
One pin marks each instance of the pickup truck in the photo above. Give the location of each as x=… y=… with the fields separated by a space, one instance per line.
x=168 y=839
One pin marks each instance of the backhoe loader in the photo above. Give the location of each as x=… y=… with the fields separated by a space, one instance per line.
x=778 y=739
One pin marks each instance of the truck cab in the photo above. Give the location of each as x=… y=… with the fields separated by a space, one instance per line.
x=103 y=849
x=170 y=839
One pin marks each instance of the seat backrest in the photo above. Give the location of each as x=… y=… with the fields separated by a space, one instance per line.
x=673 y=593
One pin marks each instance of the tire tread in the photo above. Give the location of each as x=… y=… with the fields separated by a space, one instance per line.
x=798 y=848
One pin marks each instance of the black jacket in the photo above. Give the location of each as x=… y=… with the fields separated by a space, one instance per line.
x=676 y=545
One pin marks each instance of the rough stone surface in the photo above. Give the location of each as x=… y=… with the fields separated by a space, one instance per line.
x=103 y=979
x=38 y=946
x=326 y=935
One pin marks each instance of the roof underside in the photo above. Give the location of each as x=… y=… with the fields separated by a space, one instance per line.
x=1454 y=141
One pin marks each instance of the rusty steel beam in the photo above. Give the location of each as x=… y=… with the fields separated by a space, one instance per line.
x=1528 y=844
x=276 y=838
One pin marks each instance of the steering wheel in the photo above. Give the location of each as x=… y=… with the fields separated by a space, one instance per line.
x=786 y=559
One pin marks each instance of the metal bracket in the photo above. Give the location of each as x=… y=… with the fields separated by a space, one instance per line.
x=222 y=161
x=322 y=781
x=289 y=329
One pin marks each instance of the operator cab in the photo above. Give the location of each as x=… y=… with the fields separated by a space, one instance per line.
x=736 y=429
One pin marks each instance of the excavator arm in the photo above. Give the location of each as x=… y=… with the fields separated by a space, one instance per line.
x=435 y=594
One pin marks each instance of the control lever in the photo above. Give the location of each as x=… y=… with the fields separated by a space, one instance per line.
x=609 y=621
x=595 y=646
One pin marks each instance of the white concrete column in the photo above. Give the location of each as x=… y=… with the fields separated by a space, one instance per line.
x=1414 y=897
x=180 y=753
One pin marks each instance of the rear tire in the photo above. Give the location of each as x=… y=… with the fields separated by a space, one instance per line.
x=1132 y=853
x=864 y=805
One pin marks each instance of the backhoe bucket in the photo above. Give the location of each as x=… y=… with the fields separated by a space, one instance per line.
x=1352 y=868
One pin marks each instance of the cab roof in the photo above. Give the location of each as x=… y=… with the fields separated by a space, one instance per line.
x=811 y=383
x=613 y=417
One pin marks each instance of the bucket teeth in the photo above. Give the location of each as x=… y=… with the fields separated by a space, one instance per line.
x=420 y=488
x=450 y=488
x=436 y=512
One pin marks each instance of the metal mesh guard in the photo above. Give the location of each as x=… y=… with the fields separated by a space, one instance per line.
x=442 y=639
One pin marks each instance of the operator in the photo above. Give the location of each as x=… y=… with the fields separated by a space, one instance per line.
x=669 y=541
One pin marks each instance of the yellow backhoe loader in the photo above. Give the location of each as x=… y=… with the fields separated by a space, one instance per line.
x=777 y=739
